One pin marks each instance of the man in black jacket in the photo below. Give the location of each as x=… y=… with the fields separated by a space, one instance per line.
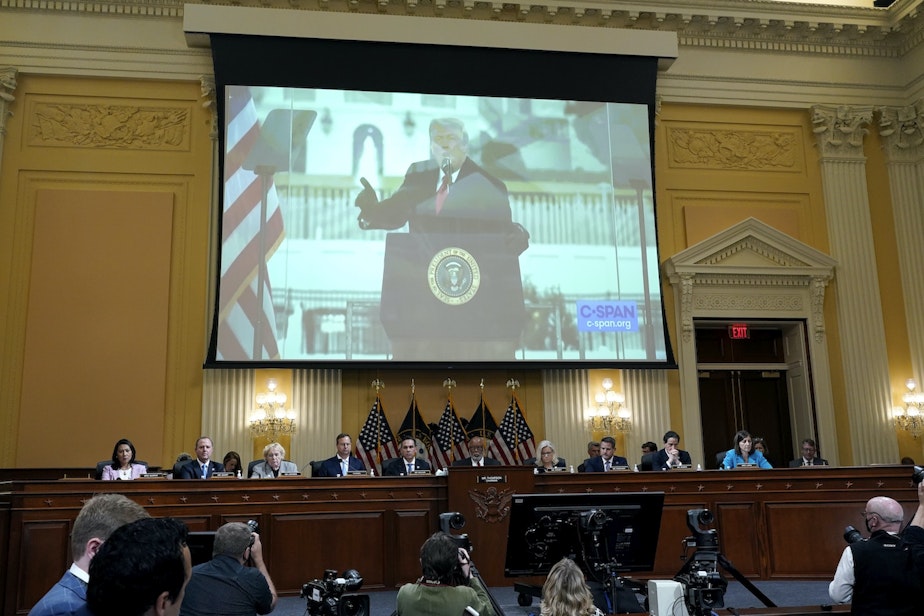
x=877 y=575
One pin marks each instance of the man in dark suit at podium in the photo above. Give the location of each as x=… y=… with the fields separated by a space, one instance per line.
x=476 y=455
x=607 y=459
x=449 y=201
x=343 y=462
x=202 y=467
x=671 y=456
x=407 y=463
x=809 y=456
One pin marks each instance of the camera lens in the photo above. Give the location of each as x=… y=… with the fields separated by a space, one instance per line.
x=917 y=475
x=852 y=535
x=705 y=517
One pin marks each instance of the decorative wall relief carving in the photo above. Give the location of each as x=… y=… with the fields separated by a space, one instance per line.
x=109 y=126
x=734 y=149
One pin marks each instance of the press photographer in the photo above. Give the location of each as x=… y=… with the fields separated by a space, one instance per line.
x=326 y=598
x=447 y=585
x=877 y=575
x=226 y=585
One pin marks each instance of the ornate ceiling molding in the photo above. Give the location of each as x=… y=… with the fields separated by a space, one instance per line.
x=736 y=24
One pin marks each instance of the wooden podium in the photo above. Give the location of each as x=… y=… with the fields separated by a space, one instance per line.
x=483 y=496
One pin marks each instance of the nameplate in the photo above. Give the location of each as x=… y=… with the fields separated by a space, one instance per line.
x=618 y=468
x=682 y=467
x=491 y=479
x=223 y=475
x=357 y=473
x=420 y=471
x=746 y=465
x=153 y=476
x=556 y=469
x=290 y=474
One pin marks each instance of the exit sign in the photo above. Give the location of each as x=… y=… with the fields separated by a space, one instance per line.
x=738 y=331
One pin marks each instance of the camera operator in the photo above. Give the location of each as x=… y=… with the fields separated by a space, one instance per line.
x=447 y=585
x=225 y=585
x=877 y=575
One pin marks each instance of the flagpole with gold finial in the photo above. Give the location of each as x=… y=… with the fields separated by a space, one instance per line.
x=449 y=384
x=379 y=385
x=513 y=384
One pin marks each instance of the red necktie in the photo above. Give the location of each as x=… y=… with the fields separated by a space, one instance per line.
x=442 y=191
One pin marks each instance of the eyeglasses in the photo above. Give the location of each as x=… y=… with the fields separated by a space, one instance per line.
x=866 y=515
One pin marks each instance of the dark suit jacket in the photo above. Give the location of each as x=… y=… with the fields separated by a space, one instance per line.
x=468 y=462
x=595 y=465
x=331 y=466
x=660 y=459
x=396 y=467
x=477 y=202
x=193 y=469
x=815 y=462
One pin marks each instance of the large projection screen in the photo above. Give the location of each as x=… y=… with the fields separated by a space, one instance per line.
x=507 y=198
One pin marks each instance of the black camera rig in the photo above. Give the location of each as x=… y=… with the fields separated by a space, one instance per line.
x=703 y=584
x=325 y=596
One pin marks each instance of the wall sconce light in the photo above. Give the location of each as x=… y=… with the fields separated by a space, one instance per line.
x=271 y=419
x=610 y=412
x=327 y=122
x=911 y=418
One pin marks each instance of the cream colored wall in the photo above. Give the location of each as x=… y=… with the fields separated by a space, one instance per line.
x=106 y=189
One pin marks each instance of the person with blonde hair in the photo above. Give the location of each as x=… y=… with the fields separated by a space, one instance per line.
x=565 y=592
x=273 y=464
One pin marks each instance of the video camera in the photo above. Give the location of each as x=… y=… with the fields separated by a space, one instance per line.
x=703 y=585
x=455 y=521
x=326 y=598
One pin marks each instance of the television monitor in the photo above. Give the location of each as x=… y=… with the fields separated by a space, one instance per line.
x=603 y=533
x=200 y=546
x=337 y=248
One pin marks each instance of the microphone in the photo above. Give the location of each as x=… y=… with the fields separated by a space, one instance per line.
x=446 y=166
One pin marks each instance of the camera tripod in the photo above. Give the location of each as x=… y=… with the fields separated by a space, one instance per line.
x=704 y=587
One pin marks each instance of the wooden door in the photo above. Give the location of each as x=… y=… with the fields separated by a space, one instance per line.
x=752 y=400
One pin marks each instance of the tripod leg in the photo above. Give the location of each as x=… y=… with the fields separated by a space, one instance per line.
x=744 y=581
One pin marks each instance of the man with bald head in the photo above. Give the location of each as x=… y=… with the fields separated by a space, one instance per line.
x=476 y=455
x=877 y=575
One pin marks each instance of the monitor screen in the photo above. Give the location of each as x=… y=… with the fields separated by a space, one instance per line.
x=382 y=215
x=603 y=533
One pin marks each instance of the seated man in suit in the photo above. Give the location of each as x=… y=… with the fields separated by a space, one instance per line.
x=407 y=463
x=671 y=456
x=98 y=519
x=273 y=463
x=343 y=462
x=607 y=460
x=593 y=451
x=809 y=456
x=202 y=466
x=476 y=455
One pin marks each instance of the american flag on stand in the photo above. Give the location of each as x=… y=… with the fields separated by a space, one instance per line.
x=449 y=439
x=514 y=440
x=376 y=441
x=416 y=428
x=241 y=314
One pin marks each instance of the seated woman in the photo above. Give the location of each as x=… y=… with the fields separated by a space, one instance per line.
x=447 y=585
x=548 y=459
x=273 y=463
x=565 y=592
x=741 y=453
x=123 y=462
x=232 y=462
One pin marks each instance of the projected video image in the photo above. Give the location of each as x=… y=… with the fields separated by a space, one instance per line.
x=386 y=226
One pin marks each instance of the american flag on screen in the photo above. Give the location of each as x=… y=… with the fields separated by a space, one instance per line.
x=516 y=442
x=246 y=326
x=376 y=441
x=449 y=439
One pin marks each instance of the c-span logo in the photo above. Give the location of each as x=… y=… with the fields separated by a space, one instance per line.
x=454 y=276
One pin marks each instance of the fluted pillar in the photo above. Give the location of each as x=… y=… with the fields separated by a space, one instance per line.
x=902 y=131
x=647 y=397
x=565 y=394
x=7 y=87
x=839 y=133
x=318 y=402
x=227 y=401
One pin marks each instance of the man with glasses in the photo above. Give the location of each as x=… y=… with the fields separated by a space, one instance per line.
x=877 y=575
x=809 y=456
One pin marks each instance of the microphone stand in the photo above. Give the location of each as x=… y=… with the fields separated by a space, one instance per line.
x=477 y=577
